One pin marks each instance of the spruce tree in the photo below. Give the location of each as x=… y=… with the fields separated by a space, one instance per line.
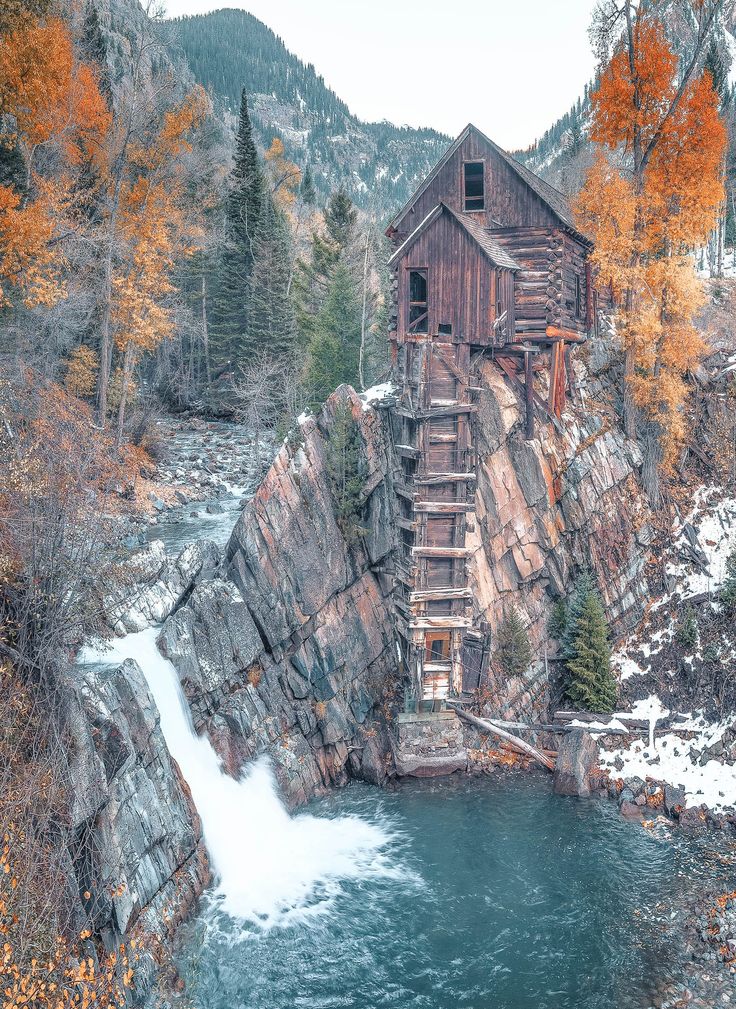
x=584 y=586
x=95 y=50
x=513 y=652
x=244 y=212
x=340 y=219
x=334 y=348
x=590 y=683
x=307 y=191
x=272 y=327
x=727 y=594
x=346 y=471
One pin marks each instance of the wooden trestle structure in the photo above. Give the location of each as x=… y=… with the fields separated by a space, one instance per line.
x=487 y=263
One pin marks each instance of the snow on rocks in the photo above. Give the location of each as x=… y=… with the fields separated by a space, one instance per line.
x=375 y=394
x=699 y=757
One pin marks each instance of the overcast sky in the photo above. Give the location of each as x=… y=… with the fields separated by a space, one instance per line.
x=510 y=66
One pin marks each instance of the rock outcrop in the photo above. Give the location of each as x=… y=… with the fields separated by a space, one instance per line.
x=139 y=860
x=545 y=509
x=577 y=757
x=291 y=651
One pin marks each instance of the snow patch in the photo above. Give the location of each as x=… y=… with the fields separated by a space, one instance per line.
x=375 y=394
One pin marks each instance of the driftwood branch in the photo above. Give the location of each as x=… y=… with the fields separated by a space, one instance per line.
x=521 y=745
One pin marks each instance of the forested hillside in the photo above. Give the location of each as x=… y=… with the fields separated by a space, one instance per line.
x=378 y=163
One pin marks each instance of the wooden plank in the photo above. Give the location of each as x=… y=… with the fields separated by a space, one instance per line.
x=570 y=335
x=432 y=479
x=430 y=595
x=529 y=389
x=444 y=507
x=441 y=551
x=440 y=623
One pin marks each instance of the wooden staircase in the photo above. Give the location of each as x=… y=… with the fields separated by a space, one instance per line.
x=436 y=503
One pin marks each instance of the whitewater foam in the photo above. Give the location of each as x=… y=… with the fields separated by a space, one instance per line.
x=271 y=868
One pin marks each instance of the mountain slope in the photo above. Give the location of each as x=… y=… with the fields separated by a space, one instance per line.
x=379 y=164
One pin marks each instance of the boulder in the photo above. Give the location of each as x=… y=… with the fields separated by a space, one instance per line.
x=674 y=800
x=576 y=759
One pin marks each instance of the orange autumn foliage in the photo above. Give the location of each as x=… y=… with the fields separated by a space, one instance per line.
x=652 y=194
x=50 y=97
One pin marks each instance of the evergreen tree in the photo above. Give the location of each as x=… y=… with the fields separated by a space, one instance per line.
x=95 y=50
x=313 y=277
x=340 y=220
x=272 y=326
x=513 y=652
x=584 y=587
x=334 y=348
x=307 y=191
x=590 y=682
x=244 y=213
x=346 y=471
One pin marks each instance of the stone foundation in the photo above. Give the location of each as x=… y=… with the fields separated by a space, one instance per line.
x=429 y=744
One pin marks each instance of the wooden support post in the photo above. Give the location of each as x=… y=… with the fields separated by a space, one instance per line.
x=529 y=391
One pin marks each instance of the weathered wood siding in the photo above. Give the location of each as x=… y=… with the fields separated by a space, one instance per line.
x=509 y=202
x=462 y=285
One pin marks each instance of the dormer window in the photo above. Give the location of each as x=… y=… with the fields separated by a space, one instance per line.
x=418 y=314
x=473 y=185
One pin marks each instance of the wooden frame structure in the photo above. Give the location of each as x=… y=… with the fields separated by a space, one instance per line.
x=510 y=278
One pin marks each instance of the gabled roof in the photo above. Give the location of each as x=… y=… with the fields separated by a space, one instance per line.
x=475 y=231
x=553 y=198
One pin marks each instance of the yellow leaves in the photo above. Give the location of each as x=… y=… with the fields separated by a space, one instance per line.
x=285 y=175
x=81 y=372
x=28 y=261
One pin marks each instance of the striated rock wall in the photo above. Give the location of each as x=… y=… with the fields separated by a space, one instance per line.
x=138 y=859
x=546 y=508
x=291 y=651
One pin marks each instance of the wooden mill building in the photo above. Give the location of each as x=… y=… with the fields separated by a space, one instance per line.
x=487 y=261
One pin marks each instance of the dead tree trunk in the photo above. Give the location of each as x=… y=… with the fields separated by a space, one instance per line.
x=487 y=726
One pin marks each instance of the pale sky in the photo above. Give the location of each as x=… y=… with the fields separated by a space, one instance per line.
x=510 y=66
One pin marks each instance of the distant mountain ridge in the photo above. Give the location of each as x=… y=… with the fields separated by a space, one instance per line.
x=380 y=164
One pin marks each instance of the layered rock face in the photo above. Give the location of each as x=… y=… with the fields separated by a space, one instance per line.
x=544 y=509
x=139 y=858
x=291 y=652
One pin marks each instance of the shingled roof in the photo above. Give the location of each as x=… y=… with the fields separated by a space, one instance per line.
x=553 y=198
x=475 y=231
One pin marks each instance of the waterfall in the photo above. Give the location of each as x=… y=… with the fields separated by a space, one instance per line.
x=271 y=868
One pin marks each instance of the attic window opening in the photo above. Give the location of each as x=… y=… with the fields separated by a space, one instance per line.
x=444 y=329
x=473 y=185
x=418 y=307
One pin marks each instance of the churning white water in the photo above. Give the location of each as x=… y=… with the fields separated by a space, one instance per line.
x=271 y=868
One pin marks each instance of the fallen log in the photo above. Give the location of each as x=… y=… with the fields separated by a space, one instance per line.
x=521 y=745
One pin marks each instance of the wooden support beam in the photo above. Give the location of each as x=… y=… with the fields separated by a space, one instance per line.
x=440 y=551
x=433 y=479
x=429 y=595
x=569 y=335
x=444 y=507
x=408 y=451
x=440 y=623
x=437 y=411
x=529 y=390
x=407 y=524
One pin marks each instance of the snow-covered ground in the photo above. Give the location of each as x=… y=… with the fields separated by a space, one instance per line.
x=670 y=758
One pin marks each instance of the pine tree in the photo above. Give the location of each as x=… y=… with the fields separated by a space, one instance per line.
x=513 y=652
x=95 y=50
x=584 y=587
x=335 y=345
x=346 y=471
x=307 y=191
x=590 y=682
x=272 y=326
x=340 y=219
x=244 y=213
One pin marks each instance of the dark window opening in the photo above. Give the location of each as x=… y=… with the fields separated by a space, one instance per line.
x=578 y=297
x=437 y=648
x=418 y=308
x=444 y=329
x=473 y=189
